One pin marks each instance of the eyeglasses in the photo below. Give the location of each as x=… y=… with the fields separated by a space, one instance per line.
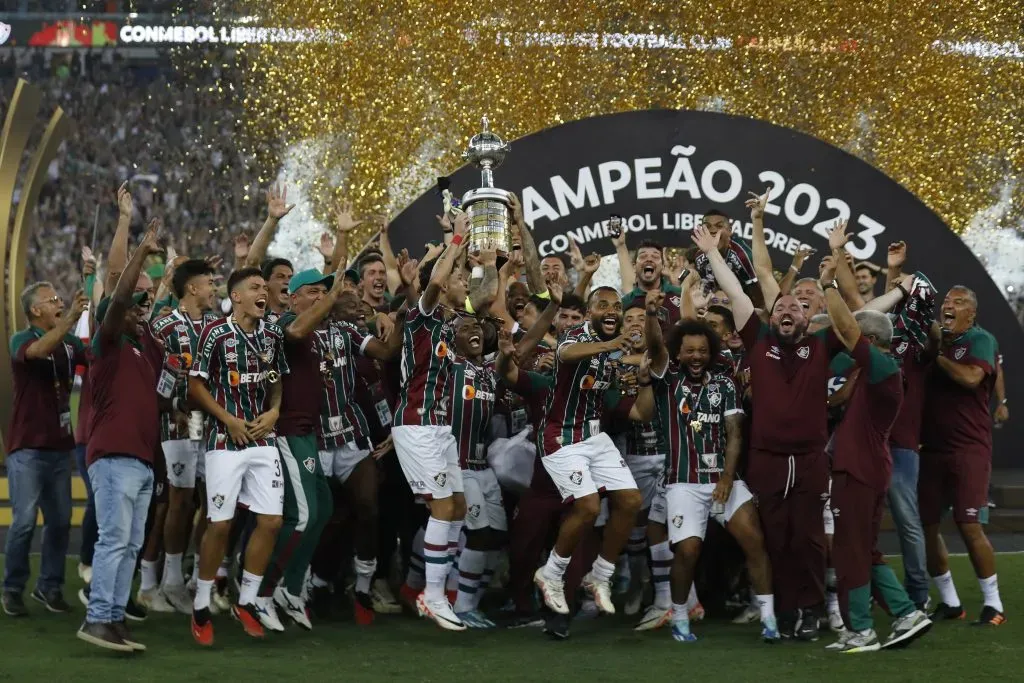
x=55 y=299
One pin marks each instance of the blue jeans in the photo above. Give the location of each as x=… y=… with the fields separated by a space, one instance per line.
x=123 y=487
x=39 y=480
x=89 y=531
x=903 y=506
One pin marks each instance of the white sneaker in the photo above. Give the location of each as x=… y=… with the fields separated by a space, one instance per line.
x=602 y=592
x=840 y=643
x=853 y=642
x=178 y=598
x=835 y=622
x=383 y=599
x=154 y=601
x=553 y=591
x=85 y=573
x=268 y=615
x=654 y=618
x=441 y=612
x=750 y=615
x=907 y=629
x=294 y=607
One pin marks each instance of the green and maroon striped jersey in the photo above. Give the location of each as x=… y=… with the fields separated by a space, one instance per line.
x=341 y=419
x=472 y=389
x=428 y=342
x=576 y=404
x=691 y=416
x=236 y=367
x=179 y=335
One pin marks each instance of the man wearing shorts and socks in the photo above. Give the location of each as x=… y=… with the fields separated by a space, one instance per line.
x=702 y=422
x=956 y=453
x=344 y=443
x=580 y=458
x=422 y=434
x=180 y=428
x=236 y=381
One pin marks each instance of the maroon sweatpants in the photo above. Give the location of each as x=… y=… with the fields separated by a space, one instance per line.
x=791 y=492
x=857 y=509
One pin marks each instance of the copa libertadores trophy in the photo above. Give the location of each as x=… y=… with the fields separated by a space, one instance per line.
x=487 y=206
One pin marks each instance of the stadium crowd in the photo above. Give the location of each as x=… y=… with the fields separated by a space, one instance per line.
x=269 y=448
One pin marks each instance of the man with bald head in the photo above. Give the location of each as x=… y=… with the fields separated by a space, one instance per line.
x=956 y=452
x=787 y=467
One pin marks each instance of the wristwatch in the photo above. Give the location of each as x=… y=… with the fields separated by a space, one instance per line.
x=830 y=284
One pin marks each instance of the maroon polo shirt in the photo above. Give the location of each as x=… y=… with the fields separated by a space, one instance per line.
x=41 y=417
x=906 y=432
x=303 y=385
x=789 y=383
x=125 y=417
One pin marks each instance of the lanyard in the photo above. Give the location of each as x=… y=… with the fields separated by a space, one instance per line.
x=695 y=425
x=262 y=356
x=194 y=329
x=68 y=352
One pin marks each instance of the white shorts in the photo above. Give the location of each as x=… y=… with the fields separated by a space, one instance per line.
x=484 y=506
x=251 y=477
x=584 y=468
x=648 y=471
x=429 y=457
x=182 y=458
x=688 y=508
x=341 y=462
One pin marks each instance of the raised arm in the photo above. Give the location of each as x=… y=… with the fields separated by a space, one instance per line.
x=535 y=334
x=484 y=291
x=895 y=257
x=117 y=257
x=443 y=267
x=45 y=345
x=759 y=250
x=585 y=268
x=843 y=322
x=387 y=253
x=307 y=321
x=574 y=352
x=277 y=208
x=627 y=272
x=531 y=257
x=789 y=279
x=656 y=349
x=844 y=273
x=643 y=407
x=742 y=306
x=500 y=308
x=505 y=365
x=121 y=299
x=888 y=301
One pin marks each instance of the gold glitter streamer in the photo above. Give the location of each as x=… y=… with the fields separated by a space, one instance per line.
x=882 y=80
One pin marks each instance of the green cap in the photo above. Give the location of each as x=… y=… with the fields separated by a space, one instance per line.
x=309 y=277
x=138 y=299
x=155 y=272
x=353 y=275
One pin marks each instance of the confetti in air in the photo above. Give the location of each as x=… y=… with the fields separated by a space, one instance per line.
x=930 y=98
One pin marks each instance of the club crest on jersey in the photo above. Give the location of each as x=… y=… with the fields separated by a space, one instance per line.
x=902 y=347
x=309 y=464
x=218 y=501
x=714 y=396
x=576 y=477
x=440 y=478
x=178 y=468
x=804 y=352
x=677 y=521
x=710 y=460
x=959 y=352
x=675 y=301
x=441 y=350
x=474 y=511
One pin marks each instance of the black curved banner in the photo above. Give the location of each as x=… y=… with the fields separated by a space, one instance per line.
x=663 y=169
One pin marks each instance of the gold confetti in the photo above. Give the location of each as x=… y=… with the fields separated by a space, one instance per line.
x=928 y=93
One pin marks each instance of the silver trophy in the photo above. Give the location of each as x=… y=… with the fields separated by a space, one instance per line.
x=487 y=206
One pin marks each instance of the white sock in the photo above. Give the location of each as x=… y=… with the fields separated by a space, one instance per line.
x=250 y=587
x=435 y=558
x=831 y=596
x=491 y=563
x=556 y=566
x=365 y=569
x=602 y=570
x=455 y=543
x=947 y=591
x=471 y=569
x=661 y=566
x=680 y=613
x=766 y=603
x=990 y=592
x=172 y=570
x=415 y=576
x=147 y=574
x=202 y=600
x=692 y=600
